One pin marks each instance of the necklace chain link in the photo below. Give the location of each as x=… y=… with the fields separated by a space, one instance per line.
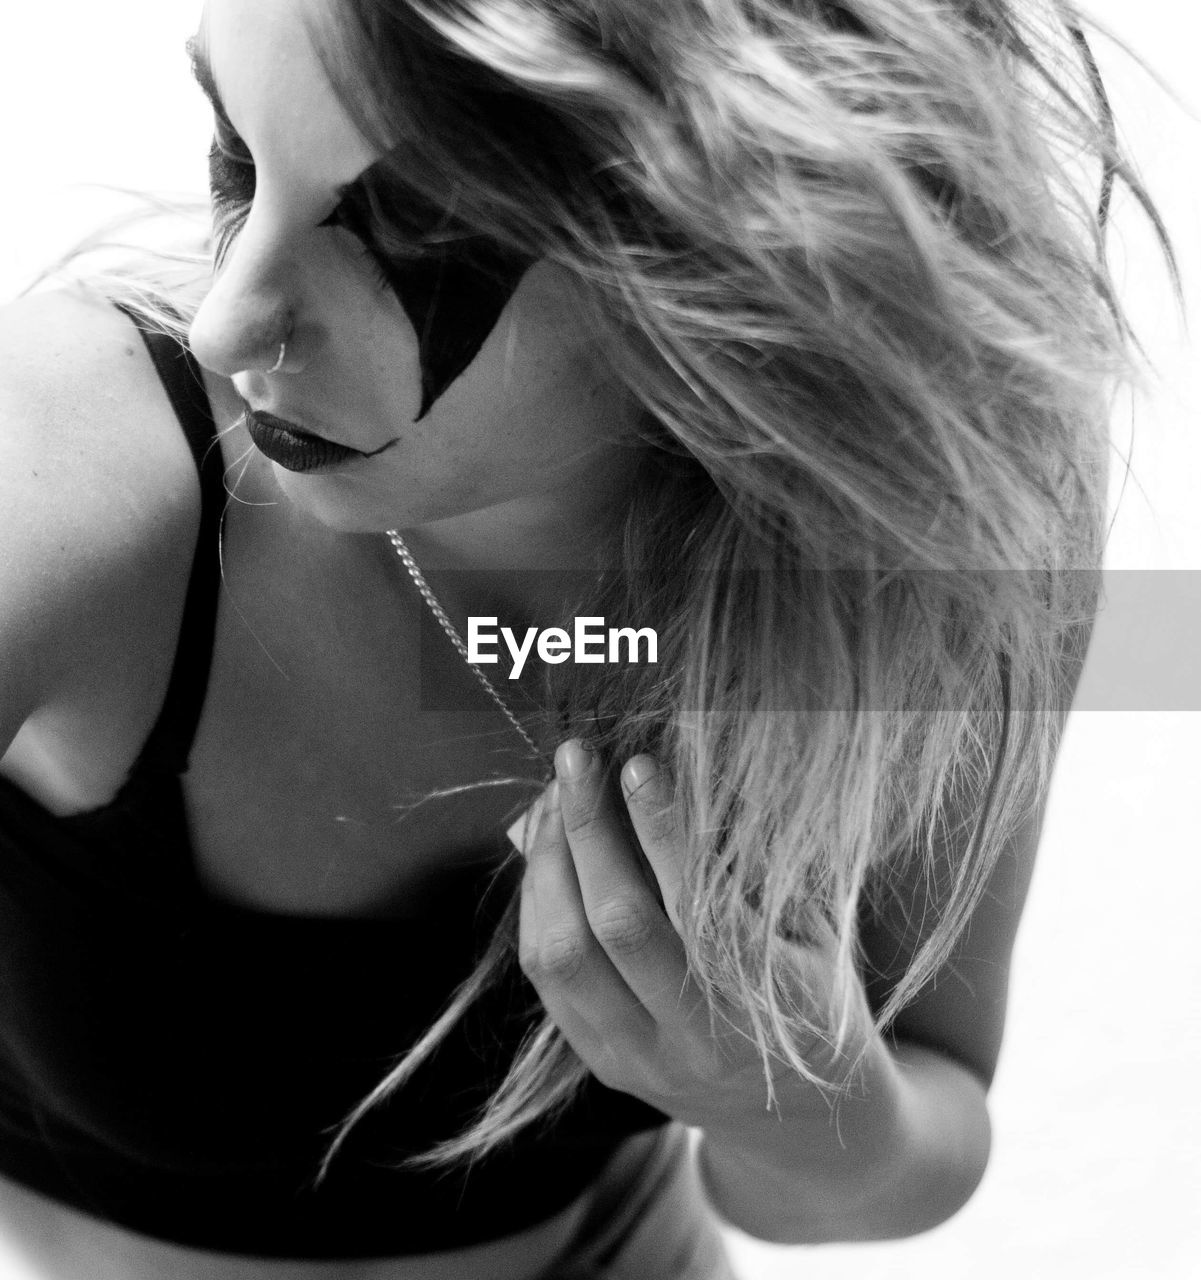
x=406 y=558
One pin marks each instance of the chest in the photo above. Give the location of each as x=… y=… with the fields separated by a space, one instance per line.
x=347 y=761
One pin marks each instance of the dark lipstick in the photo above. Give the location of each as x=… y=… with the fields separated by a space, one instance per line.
x=294 y=448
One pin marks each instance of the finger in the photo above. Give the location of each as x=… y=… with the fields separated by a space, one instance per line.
x=527 y=918
x=567 y=965
x=581 y=1037
x=522 y=833
x=622 y=911
x=649 y=803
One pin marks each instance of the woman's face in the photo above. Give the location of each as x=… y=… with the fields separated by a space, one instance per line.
x=461 y=400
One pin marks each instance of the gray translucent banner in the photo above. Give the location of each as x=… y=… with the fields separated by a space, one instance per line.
x=1146 y=649
x=1145 y=653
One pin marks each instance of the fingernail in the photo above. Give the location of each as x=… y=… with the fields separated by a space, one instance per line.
x=637 y=771
x=572 y=759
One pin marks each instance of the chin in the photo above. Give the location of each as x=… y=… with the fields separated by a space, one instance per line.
x=343 y=504
x=328 y=498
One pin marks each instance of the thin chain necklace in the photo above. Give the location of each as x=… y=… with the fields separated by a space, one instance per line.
x=406 y=558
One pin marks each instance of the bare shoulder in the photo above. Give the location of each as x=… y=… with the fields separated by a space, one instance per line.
x=79 y=393
x=99 y=502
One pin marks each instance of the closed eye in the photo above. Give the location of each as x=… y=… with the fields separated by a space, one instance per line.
x=229 y=144
x=232 y=181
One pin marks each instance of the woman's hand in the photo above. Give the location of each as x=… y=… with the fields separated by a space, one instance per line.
x=910 y=1141
x=609 y=965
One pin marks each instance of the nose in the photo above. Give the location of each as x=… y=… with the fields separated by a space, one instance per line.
x=247 y=320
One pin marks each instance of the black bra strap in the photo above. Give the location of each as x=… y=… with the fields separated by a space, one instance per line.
x=170 y=741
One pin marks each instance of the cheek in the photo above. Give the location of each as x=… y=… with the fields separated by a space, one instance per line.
x=532 y=385
x=454 y=309
x=513 y=424
x=528 y=409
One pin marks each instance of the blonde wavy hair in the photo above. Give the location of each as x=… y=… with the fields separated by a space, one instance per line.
x=848 y=257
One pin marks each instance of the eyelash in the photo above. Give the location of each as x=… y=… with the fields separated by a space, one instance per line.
x=232 y=185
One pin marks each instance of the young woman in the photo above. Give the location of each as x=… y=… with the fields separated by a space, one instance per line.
x=777 y=329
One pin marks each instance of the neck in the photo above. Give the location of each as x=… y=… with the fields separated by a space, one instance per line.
x=523 y=565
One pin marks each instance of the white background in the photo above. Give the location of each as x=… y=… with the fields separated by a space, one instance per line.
x=1096 y=1166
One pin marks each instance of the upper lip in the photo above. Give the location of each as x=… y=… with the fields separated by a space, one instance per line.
x=286 y=424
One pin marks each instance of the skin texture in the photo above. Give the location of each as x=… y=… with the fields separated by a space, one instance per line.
x=501 y=446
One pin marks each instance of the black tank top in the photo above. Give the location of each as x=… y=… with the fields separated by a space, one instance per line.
x=174 y=1064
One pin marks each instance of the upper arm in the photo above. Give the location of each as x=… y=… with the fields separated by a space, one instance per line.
x=961 y=1010
x=96 y=496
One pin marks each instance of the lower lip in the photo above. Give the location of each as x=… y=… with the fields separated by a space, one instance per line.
x=296 y=452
